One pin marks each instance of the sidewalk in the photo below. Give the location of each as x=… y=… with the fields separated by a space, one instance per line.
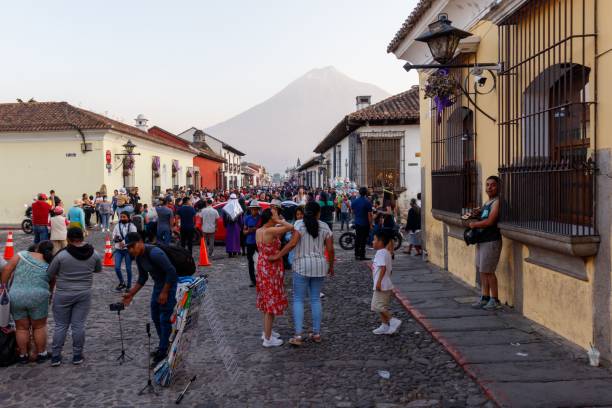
x=509 y=356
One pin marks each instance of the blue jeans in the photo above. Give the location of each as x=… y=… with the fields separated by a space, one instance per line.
x=120 y=255
x=41 y=233
x=104 y=220
x=302 y=284
x=164 y=236
x=160 y=314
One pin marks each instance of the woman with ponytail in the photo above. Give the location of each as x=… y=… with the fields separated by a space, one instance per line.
x=30 y=292
x=312 y=239
x=271 y=299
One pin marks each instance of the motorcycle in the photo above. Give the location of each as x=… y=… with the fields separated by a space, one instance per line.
x=348 y=239
x=26 y=224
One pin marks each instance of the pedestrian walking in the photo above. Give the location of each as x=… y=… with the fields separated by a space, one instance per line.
x=311 y=238
x=489 y=246
x=58 y=224
x=106 y=212
x=114 y=203
x=413 y=228
x=30 y=293
x=362 y=213
x=232 y=220
x=209 y=225
x=76 y=215
x=345 y=207
x=382 y=268
x=251 y=223
x=153 y=261
x=121 y=230
x=72 y=271
x=165 y=222
x=187 y=214
x=40 y=218
x=271 y=299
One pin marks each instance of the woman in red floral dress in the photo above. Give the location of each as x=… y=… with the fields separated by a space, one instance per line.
x=271 y=299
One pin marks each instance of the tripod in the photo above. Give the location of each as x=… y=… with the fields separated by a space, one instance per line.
x=149 y=388
x=123 y=356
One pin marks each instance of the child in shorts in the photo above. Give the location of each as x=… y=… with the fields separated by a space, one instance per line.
x=382 y=268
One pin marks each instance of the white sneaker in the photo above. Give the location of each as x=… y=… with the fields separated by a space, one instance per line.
x=274 y=335
x=394 y=324
x=382 y=329
x=273 y=342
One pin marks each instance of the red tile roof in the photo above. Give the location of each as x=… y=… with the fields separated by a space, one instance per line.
x=53 y=116
x=200 y=148
x=414 y=17
x=402 y=108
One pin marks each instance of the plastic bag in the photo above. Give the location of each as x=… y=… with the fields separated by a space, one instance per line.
x=5 y=306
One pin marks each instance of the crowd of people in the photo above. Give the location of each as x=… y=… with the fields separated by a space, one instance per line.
x=277 y=230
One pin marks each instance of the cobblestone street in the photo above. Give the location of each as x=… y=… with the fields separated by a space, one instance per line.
x=232 y=367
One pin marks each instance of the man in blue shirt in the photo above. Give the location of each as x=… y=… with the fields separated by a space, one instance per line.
x=362 y=212
x=187 y=213
x=153 y=261
x=251 y=223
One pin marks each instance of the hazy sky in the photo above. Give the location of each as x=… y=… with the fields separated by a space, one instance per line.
x=187 y=63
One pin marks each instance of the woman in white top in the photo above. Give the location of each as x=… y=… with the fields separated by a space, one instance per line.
x=58 y=229
x=301 y=197
x=312 y=238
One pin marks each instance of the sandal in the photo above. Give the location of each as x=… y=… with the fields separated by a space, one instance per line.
x=296 y=341
x=316 y=338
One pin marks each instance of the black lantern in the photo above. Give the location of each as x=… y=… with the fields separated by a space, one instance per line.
x=443 y=39
x=129 y=146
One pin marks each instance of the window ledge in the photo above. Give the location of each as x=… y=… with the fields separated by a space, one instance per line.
x=584 y=246
x=449 y=218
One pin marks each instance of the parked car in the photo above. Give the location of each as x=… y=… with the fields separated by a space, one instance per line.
x=220 y=234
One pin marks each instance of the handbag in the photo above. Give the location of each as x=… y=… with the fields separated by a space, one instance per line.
x=5 y=306
x=473 y=236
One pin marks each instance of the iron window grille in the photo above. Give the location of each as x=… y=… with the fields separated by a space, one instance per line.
x=546 y=135
x=454 y=172
x=377 y=159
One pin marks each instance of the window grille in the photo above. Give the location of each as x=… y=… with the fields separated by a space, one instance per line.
x=377 y=159
x=454 y=173
x=545 y=130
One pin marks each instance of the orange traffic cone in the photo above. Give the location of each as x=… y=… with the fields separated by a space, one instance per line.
x=108 y=253
x=203 y=254
x=9 y=251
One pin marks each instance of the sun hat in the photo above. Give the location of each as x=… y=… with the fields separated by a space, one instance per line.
x=276 y=202
x=254 y=204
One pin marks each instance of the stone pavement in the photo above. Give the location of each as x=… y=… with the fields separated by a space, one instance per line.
x=235 y=371
x=514 y=360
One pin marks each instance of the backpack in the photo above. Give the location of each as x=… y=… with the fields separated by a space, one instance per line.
x=180 y=258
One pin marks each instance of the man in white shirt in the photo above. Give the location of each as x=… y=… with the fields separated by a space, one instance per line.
x=209 y=225
x=121 y=230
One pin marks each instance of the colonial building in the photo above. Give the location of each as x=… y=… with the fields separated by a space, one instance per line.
x=204 y=172
x=376 y=146
x=536 y=115
x=54 y=145
x=311 y=174
x=230 y=174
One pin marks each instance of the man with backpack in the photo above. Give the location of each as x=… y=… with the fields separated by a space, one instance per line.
x=164 y=263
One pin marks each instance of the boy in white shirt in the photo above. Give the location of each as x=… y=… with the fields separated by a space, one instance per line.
x=382 y=268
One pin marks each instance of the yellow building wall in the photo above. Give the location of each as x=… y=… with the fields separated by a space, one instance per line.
x=37 y=163
x=557 y=301
x=143 y=165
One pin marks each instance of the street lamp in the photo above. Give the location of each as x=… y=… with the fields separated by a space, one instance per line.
x=129 y=147
x=443 y=39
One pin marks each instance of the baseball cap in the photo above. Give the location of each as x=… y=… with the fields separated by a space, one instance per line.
x=132 y=238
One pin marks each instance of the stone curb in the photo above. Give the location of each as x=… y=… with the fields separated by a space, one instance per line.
x=496 y=397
